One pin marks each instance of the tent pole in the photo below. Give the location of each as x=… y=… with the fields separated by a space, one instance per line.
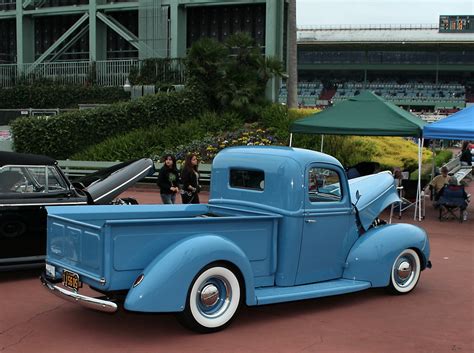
x=433 y=165
x=418 y=184
x=418 y=189
x=291 y=138
x=322 y=142
x=422 y=193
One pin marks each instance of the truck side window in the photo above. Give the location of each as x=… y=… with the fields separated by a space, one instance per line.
x=324 y=185
x=247 y=179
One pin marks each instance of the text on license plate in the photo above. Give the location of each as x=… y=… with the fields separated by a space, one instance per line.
x=71 y=280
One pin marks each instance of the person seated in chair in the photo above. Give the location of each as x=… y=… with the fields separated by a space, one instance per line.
x=453 y=195
x=438 y=183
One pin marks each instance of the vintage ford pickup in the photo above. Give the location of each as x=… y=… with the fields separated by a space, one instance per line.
x=282 y=224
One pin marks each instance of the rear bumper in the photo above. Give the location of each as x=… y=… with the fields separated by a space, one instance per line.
x=71 y=296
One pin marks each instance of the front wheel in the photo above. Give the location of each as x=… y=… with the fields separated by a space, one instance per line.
x=212 y=301
x=405 y=272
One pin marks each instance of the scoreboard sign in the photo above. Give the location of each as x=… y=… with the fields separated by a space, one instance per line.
x=456 y=24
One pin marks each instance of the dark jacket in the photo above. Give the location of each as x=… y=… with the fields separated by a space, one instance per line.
x=466 y=156
x=167 y=179
x=189 y=178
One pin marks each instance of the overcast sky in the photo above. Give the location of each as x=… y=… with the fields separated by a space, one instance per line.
x=337 y=12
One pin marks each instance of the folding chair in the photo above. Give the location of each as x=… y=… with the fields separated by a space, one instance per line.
x=451 y=202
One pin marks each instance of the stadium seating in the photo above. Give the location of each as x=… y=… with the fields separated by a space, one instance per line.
x=448 y=95
x=308 y=93
x=407 y=92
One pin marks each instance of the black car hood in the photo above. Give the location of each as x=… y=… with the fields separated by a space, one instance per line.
x=105 y=185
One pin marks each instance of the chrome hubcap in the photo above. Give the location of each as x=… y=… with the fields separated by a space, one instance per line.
x=214 y=297
x=209 y=295
x=404 y=270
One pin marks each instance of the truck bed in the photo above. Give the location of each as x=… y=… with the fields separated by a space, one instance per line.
x=108 y=246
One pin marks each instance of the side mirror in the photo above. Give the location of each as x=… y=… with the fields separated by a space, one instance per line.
x=358 y=196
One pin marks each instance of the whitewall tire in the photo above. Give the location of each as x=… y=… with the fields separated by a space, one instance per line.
x=213 y=299
x=405 y=272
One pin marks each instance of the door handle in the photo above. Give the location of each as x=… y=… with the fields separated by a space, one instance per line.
x=310 y=220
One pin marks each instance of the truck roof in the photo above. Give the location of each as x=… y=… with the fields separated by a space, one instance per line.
x=284 y=175
x=301 y=155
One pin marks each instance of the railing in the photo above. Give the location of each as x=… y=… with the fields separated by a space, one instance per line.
x=60 y=72
x=368 y=27
x=102 y=73
x=114 y=73
x=8 y=75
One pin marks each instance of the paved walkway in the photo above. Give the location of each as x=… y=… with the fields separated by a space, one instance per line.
x=437 y=317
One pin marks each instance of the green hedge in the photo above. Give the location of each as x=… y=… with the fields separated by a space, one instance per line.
x=58 y=96
x=153 y=141
x=63 y=135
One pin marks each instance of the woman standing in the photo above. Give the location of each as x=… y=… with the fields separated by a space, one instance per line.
x=466 y=156
x=168 y=180
x=190 y=180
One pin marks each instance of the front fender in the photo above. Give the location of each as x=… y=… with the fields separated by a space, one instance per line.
x=372 y=256
x=167 y=278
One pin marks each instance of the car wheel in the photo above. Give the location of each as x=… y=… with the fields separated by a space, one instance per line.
x=213 y=299
x=405 y=272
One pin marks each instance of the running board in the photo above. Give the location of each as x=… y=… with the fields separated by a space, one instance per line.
x=270 y=295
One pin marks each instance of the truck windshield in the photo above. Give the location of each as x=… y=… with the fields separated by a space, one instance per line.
x=324 y=185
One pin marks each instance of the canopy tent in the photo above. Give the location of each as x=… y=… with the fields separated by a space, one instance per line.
x=459 y=126
x=366 y=115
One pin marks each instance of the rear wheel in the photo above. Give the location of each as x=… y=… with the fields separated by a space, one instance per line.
x=405 y=272
x=213 y=300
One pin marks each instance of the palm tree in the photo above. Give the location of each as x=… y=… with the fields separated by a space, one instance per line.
x=291 y=82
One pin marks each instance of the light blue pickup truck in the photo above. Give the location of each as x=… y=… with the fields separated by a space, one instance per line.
x=282 y=224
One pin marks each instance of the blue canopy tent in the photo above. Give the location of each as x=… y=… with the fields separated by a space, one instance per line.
x=459 y=126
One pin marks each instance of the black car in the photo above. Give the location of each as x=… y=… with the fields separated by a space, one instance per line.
x=29 y=183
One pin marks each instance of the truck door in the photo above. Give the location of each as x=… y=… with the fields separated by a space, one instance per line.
x=328 y=225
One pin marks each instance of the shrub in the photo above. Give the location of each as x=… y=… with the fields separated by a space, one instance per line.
x=58 y=96
x=155 y=140
x=442 y=156
x=65 y=134
x=207 y=148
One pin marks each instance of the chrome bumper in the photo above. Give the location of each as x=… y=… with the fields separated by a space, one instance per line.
x=88 y=302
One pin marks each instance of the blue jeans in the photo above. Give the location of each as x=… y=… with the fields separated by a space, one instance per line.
x=168 y=198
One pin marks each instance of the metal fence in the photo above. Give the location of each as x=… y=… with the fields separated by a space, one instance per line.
x=114 y=73
x=102 y=73
x=8 y=75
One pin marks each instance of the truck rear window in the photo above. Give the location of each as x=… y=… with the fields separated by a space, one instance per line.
x=247 y=179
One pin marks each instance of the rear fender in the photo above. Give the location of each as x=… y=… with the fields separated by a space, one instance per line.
x=167 y=279
x=372 y=256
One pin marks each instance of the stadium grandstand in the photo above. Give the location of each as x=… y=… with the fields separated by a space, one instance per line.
x=421 y=67
x=425 y=68
x=72 y=40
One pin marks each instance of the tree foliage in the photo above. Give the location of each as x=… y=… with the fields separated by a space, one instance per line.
x=233 y=74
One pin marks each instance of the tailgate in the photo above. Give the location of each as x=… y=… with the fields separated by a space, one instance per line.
x=76 y=245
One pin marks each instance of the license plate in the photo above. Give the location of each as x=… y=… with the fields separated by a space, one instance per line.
x=71 y=280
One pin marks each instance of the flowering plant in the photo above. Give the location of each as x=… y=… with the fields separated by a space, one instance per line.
x=207 y=148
